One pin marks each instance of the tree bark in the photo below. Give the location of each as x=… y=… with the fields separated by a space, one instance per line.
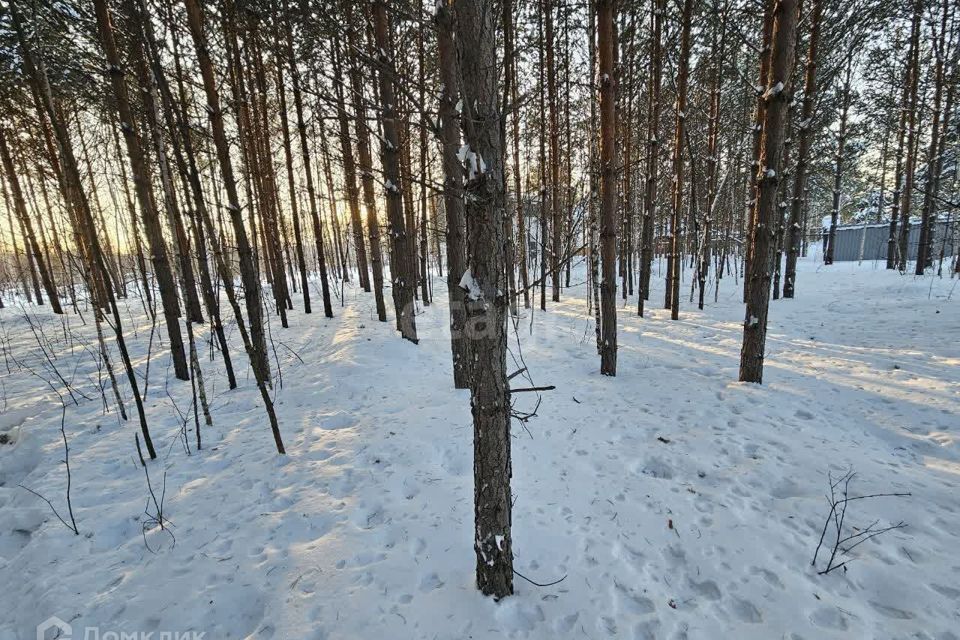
x=606 y=45
x=758 y=120
x=934 y=160
x=366 y=178
x=713 y=131
x=793 y=238
x=485 y=296
x=652 y=157
x=838 y=162
x=402 y=271
x=676 y=243
x=553 y=132
x=350 y=175
x=912 y=126
x=452 y=192
x=777 y=97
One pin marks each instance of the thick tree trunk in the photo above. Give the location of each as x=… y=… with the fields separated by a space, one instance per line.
x=185 y=157
x=148 y=85
x=758 y=120
x=606 y=45
x=485 y=298
x=777 y=96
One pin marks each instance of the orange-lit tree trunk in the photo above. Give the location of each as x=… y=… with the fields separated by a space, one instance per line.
x=606 y=46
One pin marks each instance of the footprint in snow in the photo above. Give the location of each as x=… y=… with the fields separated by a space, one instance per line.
x=746 y=612
x=829 y=618
x=633 y=602
x=565 y=624
x=429 y=582
x=658 y=468
x=707 y=589
x=648 y=630
x=769 y=576
x=891 y=612
x=338 y=420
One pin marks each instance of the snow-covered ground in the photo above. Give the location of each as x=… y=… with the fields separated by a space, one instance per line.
x=677 y=502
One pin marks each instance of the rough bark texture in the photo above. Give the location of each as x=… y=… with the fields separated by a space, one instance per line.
x=758 y=119
x=402 y=271
x=485 y=297
x=183 y=152
x=777 y=98
x=608 y=187
x=792 y=242
x=149 y=92
x=452 y=192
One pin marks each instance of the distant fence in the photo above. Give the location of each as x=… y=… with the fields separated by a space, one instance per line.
x=873 y=238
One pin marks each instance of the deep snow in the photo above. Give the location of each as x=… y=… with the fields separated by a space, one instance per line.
x=677 y=502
